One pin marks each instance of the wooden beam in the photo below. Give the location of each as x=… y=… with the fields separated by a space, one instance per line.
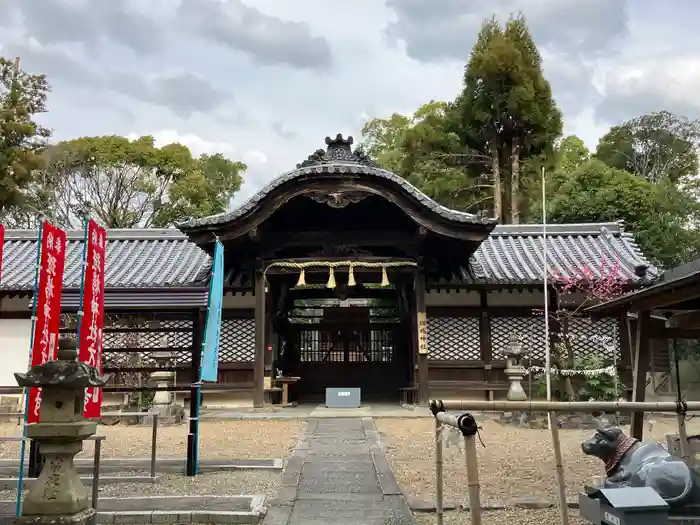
x=259 y=369
x=676 y=333
x=358 y=291
x=667 y=299
x=642 y=356
x=685 y=320
x=274 y=242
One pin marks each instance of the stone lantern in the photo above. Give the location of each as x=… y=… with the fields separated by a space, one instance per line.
x=163 y=401
x=515 y=371
x=58 y=495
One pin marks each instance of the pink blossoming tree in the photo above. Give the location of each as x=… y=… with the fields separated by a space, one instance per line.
x=591 y=285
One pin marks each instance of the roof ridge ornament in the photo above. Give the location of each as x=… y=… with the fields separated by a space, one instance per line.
x=338 y=150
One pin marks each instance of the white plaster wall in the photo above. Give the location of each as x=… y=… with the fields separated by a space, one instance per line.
x=471 y=298
x=14 y=348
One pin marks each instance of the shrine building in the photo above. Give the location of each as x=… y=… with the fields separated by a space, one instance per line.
x=333 y=271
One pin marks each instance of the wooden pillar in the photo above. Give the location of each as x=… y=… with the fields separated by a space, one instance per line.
x=421 y=336
x=200 y=317
x=259 y=366
x=270 y=341
x=623 y=328
x=485 y=344
x=641 y=367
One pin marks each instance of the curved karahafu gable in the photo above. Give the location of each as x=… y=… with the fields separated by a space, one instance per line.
x=339 y=175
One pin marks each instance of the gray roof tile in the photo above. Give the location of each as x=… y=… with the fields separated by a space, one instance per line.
x=512 y=254
x=165 y=258
x=338 y=159
x=135 y=259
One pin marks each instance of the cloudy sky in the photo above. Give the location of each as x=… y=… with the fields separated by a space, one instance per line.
x=266 y=80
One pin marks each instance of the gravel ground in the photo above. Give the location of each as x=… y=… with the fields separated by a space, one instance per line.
x=212 y=484
x=221 y=439
x=217 y=439
x=510 y=516
x=515 y=463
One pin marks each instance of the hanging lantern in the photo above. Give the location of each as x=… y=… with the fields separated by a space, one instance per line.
x=385 y=277
x=331 y=279
x=302 y=278
x=351 y=277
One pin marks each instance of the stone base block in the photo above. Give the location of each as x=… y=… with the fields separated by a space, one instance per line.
x=81 y=518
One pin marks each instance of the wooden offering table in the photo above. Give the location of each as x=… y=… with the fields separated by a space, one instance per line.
x=285 y=382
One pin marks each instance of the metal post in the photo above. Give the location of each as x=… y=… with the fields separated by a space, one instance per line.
x=195 y=394
x=438 y=472
x=96 y=471
x=154 y=441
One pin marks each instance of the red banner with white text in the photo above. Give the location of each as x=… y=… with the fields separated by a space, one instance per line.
x=92 y=321
x=48 y=306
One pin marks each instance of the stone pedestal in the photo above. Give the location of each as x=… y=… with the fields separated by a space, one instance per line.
x=58 y=489
x=58 y=495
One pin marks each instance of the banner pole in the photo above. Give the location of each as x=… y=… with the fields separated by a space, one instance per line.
x=82 y=283
x=199 y=379
x=215 y=267
x=23 y=444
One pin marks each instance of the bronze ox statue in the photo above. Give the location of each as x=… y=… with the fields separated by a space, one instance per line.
x=633 y=463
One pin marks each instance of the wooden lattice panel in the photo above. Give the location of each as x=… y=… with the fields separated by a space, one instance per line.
x=594 y=337
x=530 y=330
x=237 y=341
x=454 y=338
x=175 y=335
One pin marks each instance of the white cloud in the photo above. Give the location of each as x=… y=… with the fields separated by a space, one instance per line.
x=302 y=70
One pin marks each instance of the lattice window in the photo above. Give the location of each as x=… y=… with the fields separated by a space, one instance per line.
x=147 y=335
x=594 y=337
x=529 y=329
x=454 y=338
x=332 y=345
x=237 y=340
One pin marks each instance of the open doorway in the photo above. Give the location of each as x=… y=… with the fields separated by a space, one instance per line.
x=362 y=343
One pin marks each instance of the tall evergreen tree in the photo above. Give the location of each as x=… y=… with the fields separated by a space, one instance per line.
x=507 y=108
x=22 y=140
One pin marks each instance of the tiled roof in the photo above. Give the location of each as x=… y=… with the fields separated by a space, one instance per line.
x=338 y=159
x=512 y=254
x=148 y=258
x=166 y=259
x=678 y=278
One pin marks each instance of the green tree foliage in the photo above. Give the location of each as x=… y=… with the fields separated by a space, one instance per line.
x=22 y=97
x=572 y=153
x=132 y=183
x=655 y=146
x=658 y=214
x=506 y=109
x=423 y=149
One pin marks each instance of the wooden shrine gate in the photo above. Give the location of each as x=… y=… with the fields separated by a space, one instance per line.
x=348 y=348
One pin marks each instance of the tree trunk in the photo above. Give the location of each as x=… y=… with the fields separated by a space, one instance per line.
x=515 y=182
x=496 y=172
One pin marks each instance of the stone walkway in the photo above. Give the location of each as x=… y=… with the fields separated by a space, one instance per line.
x=339 y=474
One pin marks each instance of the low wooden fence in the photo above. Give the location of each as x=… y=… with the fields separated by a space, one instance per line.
x=467 y=425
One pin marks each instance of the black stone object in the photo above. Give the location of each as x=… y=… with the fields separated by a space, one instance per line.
x=65 y=372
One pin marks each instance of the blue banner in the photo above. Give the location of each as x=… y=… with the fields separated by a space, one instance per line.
x=212 y=329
